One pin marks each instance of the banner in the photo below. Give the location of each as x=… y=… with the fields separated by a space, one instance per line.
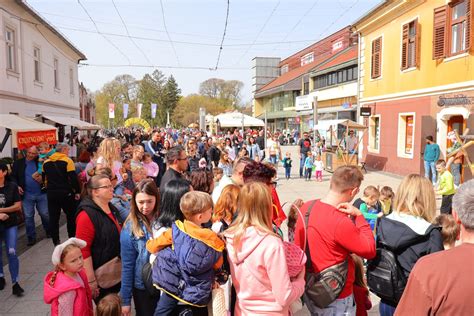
x=153 y=110
x=111 y=110
x=125 y=110
x=28 y=139
x=139 y=109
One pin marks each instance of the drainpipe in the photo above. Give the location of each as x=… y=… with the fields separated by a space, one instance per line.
x=359 y=57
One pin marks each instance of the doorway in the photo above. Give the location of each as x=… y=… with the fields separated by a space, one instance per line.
x=455 y=122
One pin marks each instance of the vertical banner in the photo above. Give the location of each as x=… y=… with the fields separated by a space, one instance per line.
x=139 y=109
x=125 y=110
x=153 y=110
x=111 y=110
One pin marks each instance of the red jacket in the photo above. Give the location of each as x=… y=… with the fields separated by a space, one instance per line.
x=332 y=236
x=362 y=300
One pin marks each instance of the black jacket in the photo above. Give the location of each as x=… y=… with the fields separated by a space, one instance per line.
x=18 y=172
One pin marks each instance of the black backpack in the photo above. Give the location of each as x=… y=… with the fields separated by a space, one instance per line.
x=385 y=277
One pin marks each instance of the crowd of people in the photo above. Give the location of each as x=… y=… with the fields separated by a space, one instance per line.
x=189 y=223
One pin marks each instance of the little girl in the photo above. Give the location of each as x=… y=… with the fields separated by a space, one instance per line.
x=67 y=288
x=318 y=168
x=308 y=166
x=225 y=163
x=361 y=292
x=150 y=166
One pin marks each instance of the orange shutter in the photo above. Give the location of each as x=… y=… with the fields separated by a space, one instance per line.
x=405 y=29
x=439 y=32
x=418 y=43
x=376 y=57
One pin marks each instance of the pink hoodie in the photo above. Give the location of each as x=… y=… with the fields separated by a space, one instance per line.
x=260 y=275
x=63 y=284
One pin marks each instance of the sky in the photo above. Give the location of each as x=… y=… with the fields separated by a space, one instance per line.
x=183 y=38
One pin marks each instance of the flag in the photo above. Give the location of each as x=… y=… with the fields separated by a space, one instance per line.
x=139 y=109
x=125 y=110
x=111 y=110
x=153 y=110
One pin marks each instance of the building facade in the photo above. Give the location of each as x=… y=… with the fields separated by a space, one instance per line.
x=417 y=78
x=86 y=105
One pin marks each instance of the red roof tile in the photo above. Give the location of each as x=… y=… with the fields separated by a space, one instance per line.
x=344 y=57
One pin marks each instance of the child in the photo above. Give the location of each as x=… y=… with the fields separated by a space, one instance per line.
x=150 y=166
x=308 y=166
x=127 y=174
x=67 y=288
x=449 y=230
x=287 y=165
x=386 y=199
x=218 y=174
x=446 y=187
x=138 y=174
x=361 y=292
x=318 y=167
x=110 y=305
x=293 y=218
x=369 y=206
x=225 y=163
x=188 y=256
x=45 y=152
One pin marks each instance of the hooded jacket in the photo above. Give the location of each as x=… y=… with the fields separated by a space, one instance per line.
x=409 y=237
x=260 y=275
x=61 y=175
x=63 y=284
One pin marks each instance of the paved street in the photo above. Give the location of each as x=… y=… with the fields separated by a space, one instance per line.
x=36 y=261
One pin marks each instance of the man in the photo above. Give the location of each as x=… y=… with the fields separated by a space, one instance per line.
x=430 y=157
x=260 y=140
x=274 y=150
x=30 y=191
x=154 y=146
x=351 y=143
x=236 y=178
x=63 y=191
x=335 y=230
x=236 y=142
x=442 y=283
x=305 y=146
x=177 y=161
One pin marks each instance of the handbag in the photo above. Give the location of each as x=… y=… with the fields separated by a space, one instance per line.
x=295 y=257
x=324 y=287
x=217 y=306
x=147 y=278
x=109 y=274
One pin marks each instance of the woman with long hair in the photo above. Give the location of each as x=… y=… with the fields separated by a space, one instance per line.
x=408 y=230
x=225 y=208
x=108 y=156
x=257 y=257
x=225 y=163
x=136 y=231
x=253 y=149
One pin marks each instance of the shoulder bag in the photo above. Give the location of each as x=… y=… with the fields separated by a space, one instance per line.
x=109 y=274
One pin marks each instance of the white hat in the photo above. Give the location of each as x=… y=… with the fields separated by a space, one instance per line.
x=56 y=257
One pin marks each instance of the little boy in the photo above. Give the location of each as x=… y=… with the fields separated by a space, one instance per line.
x=308 y=166
x=287 y=165
x=449 y=230
x=386 y=199
x=218 y=174
x=369 y=206
x=188 y=256
x=445 y=187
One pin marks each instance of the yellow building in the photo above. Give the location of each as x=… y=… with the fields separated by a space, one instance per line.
x=417 y=77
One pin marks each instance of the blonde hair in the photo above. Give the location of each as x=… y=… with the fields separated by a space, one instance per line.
x=195 y=202
x=226 y=205
x=371 y=191
x=110 y=305
x=108 y=150
x=61 y=259
x=449 y=228
x=415 y=196
x=254 y=207
x=44 y=145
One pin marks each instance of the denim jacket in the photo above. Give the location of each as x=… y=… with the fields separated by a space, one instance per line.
x=134 y=256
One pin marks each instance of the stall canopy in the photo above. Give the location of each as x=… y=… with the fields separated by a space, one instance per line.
x=326 y=125
x=236 y=119
x=71 y=121
x=27 y=132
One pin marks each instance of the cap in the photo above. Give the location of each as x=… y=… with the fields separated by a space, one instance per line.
x=56 y=257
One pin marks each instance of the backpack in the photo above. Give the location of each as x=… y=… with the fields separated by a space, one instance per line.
x=385 y=277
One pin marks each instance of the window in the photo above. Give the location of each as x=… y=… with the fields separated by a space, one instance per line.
x=71 y=81
x=10 y=41
x=37 y=63
x=284 y=69
x=56 y=73
x=374 y=133
x=306 y=88
x=410 y=45
x=406 y=135
x=452 y=29
x=376 y=58
x=336 y=77
x=307 y=59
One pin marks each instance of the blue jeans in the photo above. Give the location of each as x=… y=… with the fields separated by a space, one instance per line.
x=430 y=166
x=10 y=236
x=287 y=172
x=41 y=203
x=302 y=159
x=344 y=306
x=386 y=309
x=456 y=171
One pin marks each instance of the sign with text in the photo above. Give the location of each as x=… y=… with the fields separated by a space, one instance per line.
x=304 y=103
x=365 y=111
x=28 y=139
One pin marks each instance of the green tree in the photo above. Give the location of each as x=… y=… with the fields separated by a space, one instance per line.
x=187 y=110
x=170 y=98
x=150 y=91
x=228 y=93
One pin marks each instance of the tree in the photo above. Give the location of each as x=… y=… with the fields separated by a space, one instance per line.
x=226 y=92
x=170 y=98
x=212 y=87
x=150 y=91
x=187 y=110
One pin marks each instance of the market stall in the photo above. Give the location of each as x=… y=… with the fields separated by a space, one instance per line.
x=336 y=154
x=63 y=121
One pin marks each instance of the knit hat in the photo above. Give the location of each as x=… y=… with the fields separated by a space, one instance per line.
x=56 y=257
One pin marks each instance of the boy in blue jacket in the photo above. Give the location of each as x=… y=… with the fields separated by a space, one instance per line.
x=188 y=256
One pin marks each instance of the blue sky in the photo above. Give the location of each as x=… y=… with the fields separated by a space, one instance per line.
x=269 y=28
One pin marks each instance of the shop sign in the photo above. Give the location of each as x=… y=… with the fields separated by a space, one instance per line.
x=366 y=111
x=459 y=99
x=28 y=139
x=304 y=103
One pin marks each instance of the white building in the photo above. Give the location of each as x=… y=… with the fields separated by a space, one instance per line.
x=38 y=66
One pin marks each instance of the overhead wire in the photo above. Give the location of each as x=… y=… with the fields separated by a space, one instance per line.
x=223 y=35
x=98 y=31
x=167 y=33
x=300 y=20
x=161 y=66
x=128 y=33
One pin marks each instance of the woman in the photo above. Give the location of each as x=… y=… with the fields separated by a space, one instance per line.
x=230 y=149
x=213 y=153
x=137 y=156
x=98 y=224
x=225 y=163
x=253 y=149
x=10 y=204
x=193 y=155
x=414 y=210
x=201 y=180
x=225 y=208
x=257 y=257
x=82 y=161
x=108 y=155
x=135 y=233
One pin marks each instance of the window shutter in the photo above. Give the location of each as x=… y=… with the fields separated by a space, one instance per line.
x=376 y=57
x=418 y=44
x=439 y=32
x=468 y=25
x=405 y=29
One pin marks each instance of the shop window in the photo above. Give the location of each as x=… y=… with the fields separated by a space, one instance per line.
x=376 y=62
x=406 y=135
x=374 y=133
x=410 y=45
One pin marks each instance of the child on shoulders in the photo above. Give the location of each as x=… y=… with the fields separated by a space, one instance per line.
x=369 y=206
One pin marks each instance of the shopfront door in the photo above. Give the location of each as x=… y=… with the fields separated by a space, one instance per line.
x=455 y=123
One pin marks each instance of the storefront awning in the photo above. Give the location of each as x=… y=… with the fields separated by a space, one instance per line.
x=236 y=119
x=71 y=121
x=18 y=123
x=326 y=124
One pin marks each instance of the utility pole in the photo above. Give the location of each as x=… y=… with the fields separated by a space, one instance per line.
x=168 y=125
x=315 y=120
